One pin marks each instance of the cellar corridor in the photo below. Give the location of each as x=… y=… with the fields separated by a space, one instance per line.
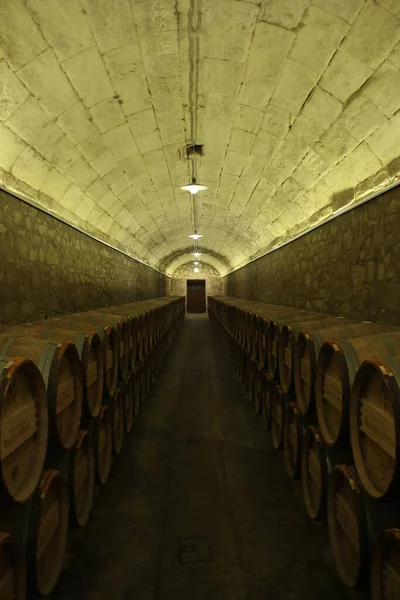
x=198 y=505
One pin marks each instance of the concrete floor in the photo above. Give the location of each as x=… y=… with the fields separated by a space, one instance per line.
x=198 y=506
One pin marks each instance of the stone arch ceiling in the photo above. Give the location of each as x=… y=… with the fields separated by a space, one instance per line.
x=298 y=110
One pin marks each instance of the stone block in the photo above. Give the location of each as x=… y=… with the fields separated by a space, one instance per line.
x=133 y=92
x=81 y=174
x=149 y=142
x=276 y=121
x=31 y=168
x=315 y=164
x=71 y=198
x=394 y=56
x=104 y=163
x=294 y=148
x=391 y=5
x=154 y=39
x=63 y=154
x=122 y=60
x=120 y=141
x=373 y=35
x=292 y=189
x=32 y=124
x=55 y=20
x=106 y=201
x=280 y=169
x=361 y=117
x=84 y=208
x=345 y=75
x=285 y=13
x=322 y=108
x=76 y=123
x=113 y=24
x=47 y=82
x=234 y=162
x=267 y=56
x=143 y=122
x=55 y=185
x=294 y=85
x=318 y=38
x=342 y=8
x=88 y=75
x=229 y=26
x=241 y=141
x=97 y=189
x=303 y=176
x=306 y=130
x=92 y=146
x=385 y=141
x=335 y=143
x=12 y=92
x=117 y=180
x=10 y=148
x=20 y=38
x=247 y=118
x=383 y=88
x=107 y=114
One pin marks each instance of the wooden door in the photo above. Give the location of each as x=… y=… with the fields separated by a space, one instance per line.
x=196 y=295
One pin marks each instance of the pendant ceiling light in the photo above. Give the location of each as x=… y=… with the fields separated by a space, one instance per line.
x=197 y=254
x=196 y=270
x=196 y=263
x=194 y=187
x=195 y=236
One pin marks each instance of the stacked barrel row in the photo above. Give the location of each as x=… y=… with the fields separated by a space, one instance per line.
x=70 y=389
x=328 y=388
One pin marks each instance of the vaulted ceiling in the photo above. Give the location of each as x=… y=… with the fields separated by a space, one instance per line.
x=297 y=103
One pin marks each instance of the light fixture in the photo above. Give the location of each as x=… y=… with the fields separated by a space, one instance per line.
x=195 y=236
x=196 y=270
x=194 y=187
x=197 y=254
x=196 y=262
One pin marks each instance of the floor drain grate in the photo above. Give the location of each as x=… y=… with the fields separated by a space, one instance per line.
x=195 y=439
x=194 y=550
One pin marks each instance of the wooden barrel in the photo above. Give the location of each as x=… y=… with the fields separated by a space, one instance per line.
x=289 y=333
x=109 y=340
x=278 y=410
x=266 y=396
x=131 y=316
x=103 y=445
x=117 y=419
x=81 y=479
x=375 y=425
x=307 y=348
x=336 y=368
x=122 y=333
x=314 y=473
x=347 y=525
x=292 y=439
x=23 y=427
x=258 y=389
x=47 y=534
x=276 y=321
x=90 y=352
x=385 y=569
x=12 y=570
x=136 y=379
x=128 y=404
x=61 y=370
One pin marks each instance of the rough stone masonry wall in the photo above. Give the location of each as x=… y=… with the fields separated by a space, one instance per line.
x=49 y=268
x=349 y=266
x=214 y=284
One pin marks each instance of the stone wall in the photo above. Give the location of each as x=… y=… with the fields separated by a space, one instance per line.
x=214 y=283
x=349 y=266
x=48 y=267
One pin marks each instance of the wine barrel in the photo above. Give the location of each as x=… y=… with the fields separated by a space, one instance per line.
x=12 y=570
x=23 y=427
x=90 y=352
x=47 y=533
x=109 y=340
x=278 y=410
x=314 y=473
x=375 y=425
x=128 y=404
x=347 y=525
x=117 y=419
x=258 y=389
x=266 y=393
x=287 y=350
x=122 y=332
x=136 y=390
x=103 y=445
x=385 y=569
x=131 y=315
x=278 y=319
x=337 y=365
x=307 y=348
x=81 y=479
x=61 y=370
x=292 y=438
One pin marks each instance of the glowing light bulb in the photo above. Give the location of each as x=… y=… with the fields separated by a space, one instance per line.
x=194 y=187
x=197 y=254
x=196 y=270
x=196 y=262
x=195 y=236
